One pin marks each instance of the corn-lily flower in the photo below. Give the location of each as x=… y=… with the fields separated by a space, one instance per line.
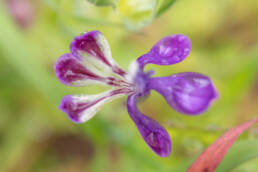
x=90 y=61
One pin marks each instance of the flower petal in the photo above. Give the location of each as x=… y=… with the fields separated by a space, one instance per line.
x=169 y=50
x=188 y=93
x=82 y=108
x=74 y=72
x=156 y=136
x=93 y=48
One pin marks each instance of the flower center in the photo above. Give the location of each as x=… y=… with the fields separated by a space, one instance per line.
x=141 y=81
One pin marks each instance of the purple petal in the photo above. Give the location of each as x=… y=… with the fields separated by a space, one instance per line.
x=93 y=47
x=82 y=108
x=156 y=136
x=72 y=71
x=188 y=93
x=169 y=50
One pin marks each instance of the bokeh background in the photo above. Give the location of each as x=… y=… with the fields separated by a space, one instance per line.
x=35 y=136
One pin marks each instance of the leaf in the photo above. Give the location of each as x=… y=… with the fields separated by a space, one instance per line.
x=112 y=3
x=211 y=157
x=163 y=5
x=20 y=54
x=240 y=153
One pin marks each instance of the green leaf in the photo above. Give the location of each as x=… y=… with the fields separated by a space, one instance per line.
x=104 y=2
x=26 y=58
x=241 y=152
x=163 y=5
x=212 y=156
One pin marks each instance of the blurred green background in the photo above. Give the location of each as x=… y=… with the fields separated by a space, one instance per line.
x=35 y=136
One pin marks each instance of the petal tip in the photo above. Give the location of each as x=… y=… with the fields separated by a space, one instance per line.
x=213 y=97
x=67 y=105
x=169 y=50
x=155 y=135
x=188 y=93
x=159 y=142
x=86 y=42
x=72 y=72
x=58 y=68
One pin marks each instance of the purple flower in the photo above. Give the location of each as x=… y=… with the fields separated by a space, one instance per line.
x=90 y=61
